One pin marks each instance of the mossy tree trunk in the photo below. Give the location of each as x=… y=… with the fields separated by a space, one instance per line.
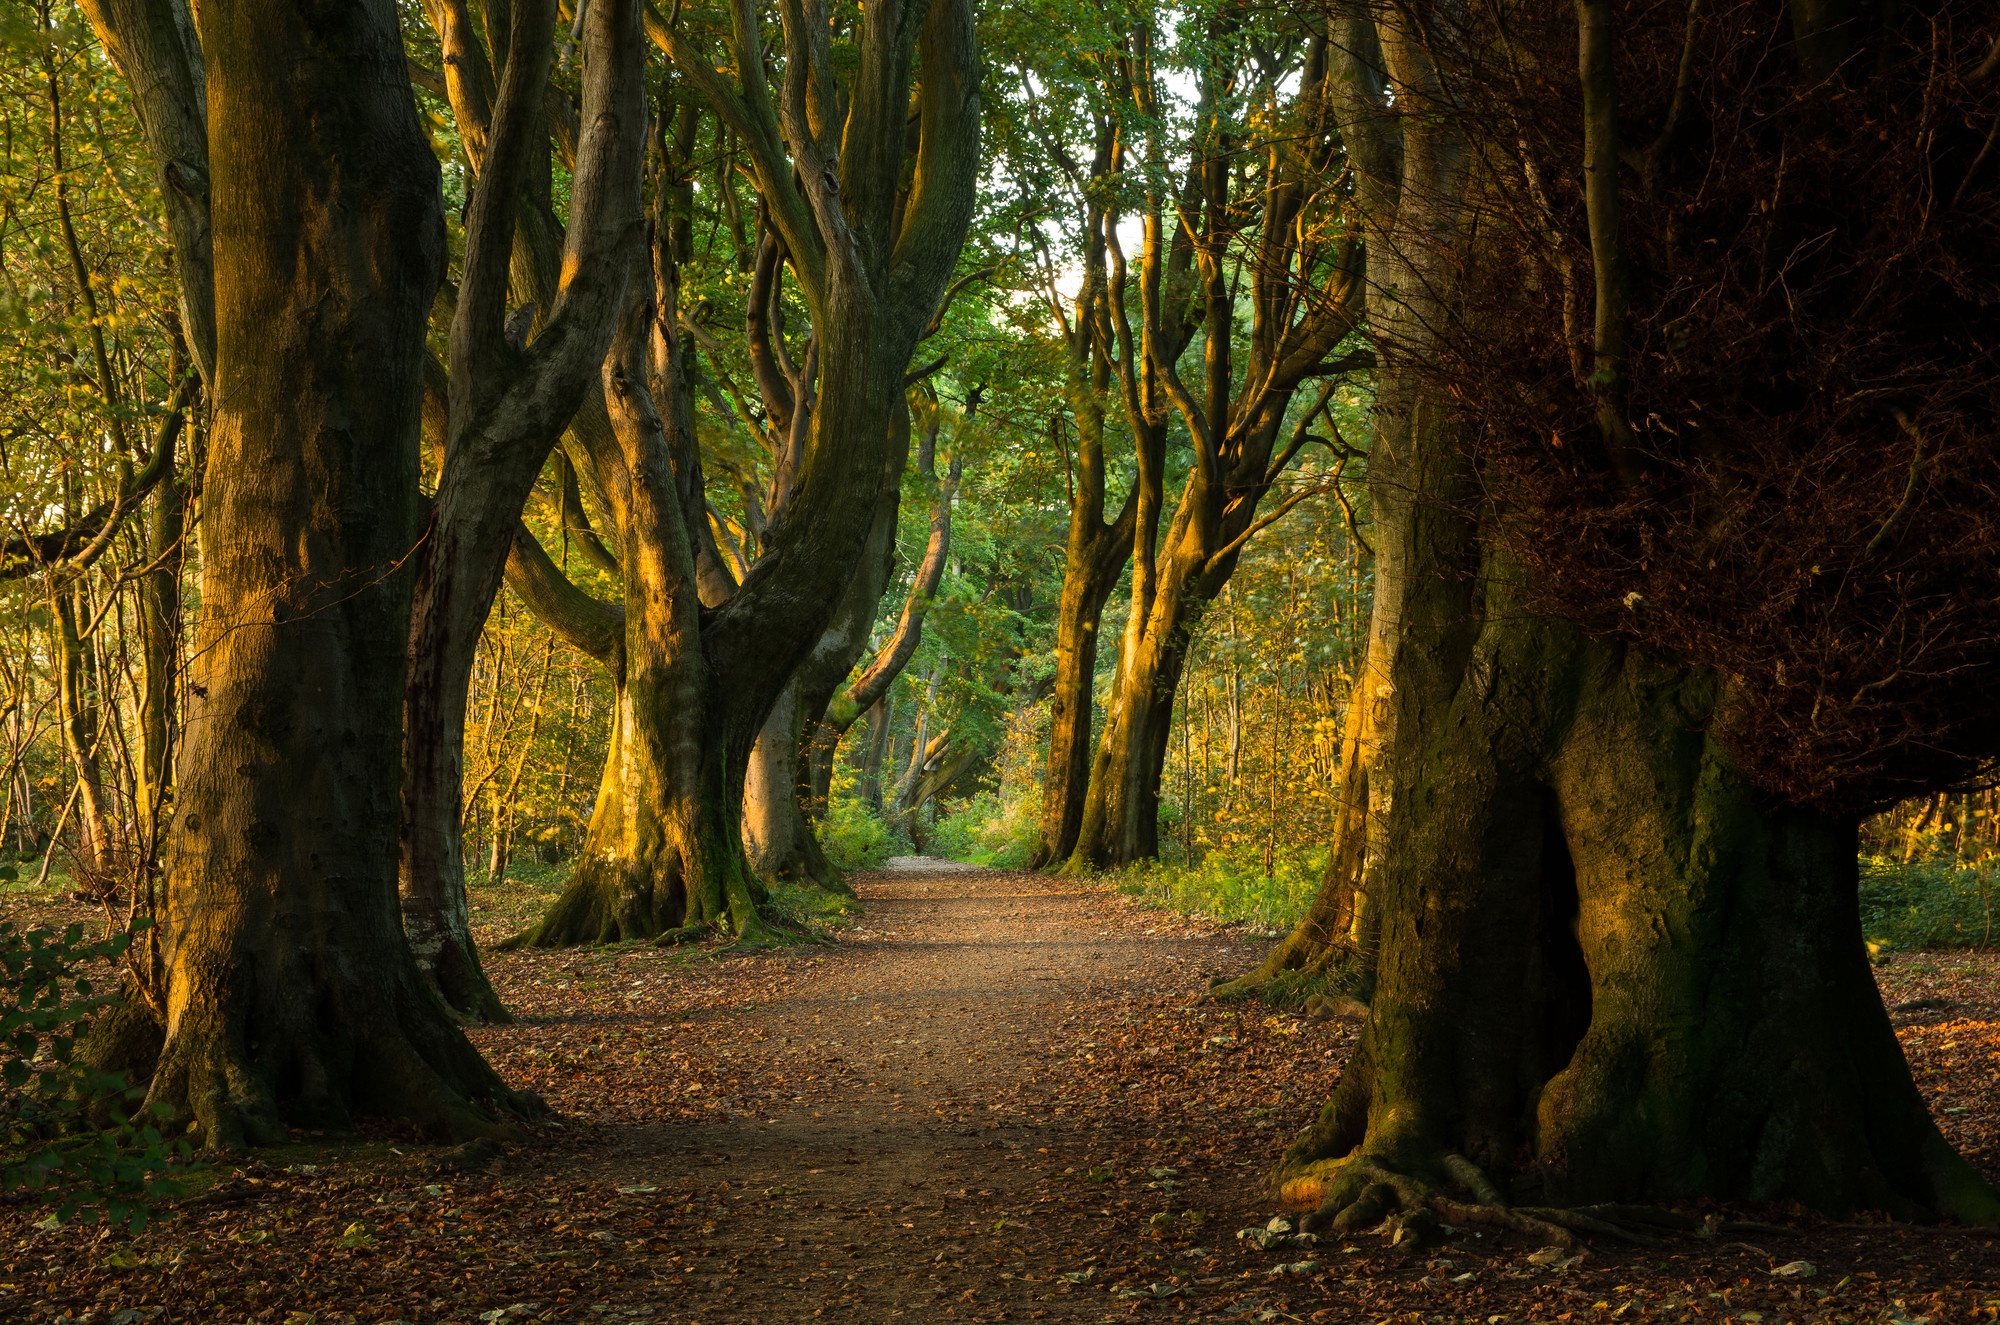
x=1609 y=969
x=871 y=263
x=290 y=994
x=1603 y=951
x=777 y=828
x=829 y=699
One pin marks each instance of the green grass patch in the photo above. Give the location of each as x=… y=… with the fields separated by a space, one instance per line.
x=984 y=830
x=1231 y=887
x=1937 y=903
x=503 y=907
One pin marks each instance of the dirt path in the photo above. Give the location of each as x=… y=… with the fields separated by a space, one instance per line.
x=988 y=1101
x=940 y=1156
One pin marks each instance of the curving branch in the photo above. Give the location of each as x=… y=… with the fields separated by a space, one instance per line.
x=78 y=545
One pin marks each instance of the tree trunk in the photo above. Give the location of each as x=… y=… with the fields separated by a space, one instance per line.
x=663 y=858
x=871 y=261
x=504 y=405
x=77 y=695
x=782 y=845
x=1409 y=178
x=1602 y=950
x=291 y=994
x=1121 y=813
x=1608 y=968
x=1236 y=425
x=777 y=829
x=881 y=721
x=160 y=641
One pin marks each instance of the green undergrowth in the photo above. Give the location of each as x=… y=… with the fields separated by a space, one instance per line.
x=516 y=901
x=1233 y=888
x=854 y=837
x=1941 y=902
x=79 y=1141
x=984 y=830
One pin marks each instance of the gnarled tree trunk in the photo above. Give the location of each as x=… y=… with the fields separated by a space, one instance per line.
x=871 y=263
x=1610 y=969
x=506 y=402
x=290 y=993
x=1602 y=948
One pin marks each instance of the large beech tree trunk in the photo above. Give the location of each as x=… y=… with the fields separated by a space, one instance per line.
x=1609 y=968
x=1605 y=952
x=291 y=995
x=871 y=263
x=825 y=702
x=1120 y=821
x=777 y=830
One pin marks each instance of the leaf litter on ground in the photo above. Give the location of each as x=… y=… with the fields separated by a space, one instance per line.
x=989 y=1102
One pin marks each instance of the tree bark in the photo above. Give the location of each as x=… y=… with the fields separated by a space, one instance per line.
x=506 y=403
x=881 y=719
x=777 y=829
x=1410 y=177
x=291 y=994
x=827 y=707
x=76 y=696
x=1603 y=949
x=1609 y=968
x=160 y=643
x=871 y=264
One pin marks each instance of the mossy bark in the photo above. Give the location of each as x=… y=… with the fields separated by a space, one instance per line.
x=871 y=259
x=783 y=847
x=662 y=856
x=1609 y=968
x=1604 y=951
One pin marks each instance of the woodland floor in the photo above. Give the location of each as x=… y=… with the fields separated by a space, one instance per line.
x=969 y=1108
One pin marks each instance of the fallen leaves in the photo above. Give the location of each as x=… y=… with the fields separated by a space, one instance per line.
x=1055 y=1134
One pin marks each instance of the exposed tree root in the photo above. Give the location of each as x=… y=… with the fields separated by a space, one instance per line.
x=1361 y=1194
x=236 y=1074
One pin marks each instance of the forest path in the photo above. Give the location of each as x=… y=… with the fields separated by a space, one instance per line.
x=972 y=1106
x=948 y=1122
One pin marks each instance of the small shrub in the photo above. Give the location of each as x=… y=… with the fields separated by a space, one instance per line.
x=854 y=836
x=1937 y=903
x=984 y=830
x=810 y=910
x=51 y=1106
